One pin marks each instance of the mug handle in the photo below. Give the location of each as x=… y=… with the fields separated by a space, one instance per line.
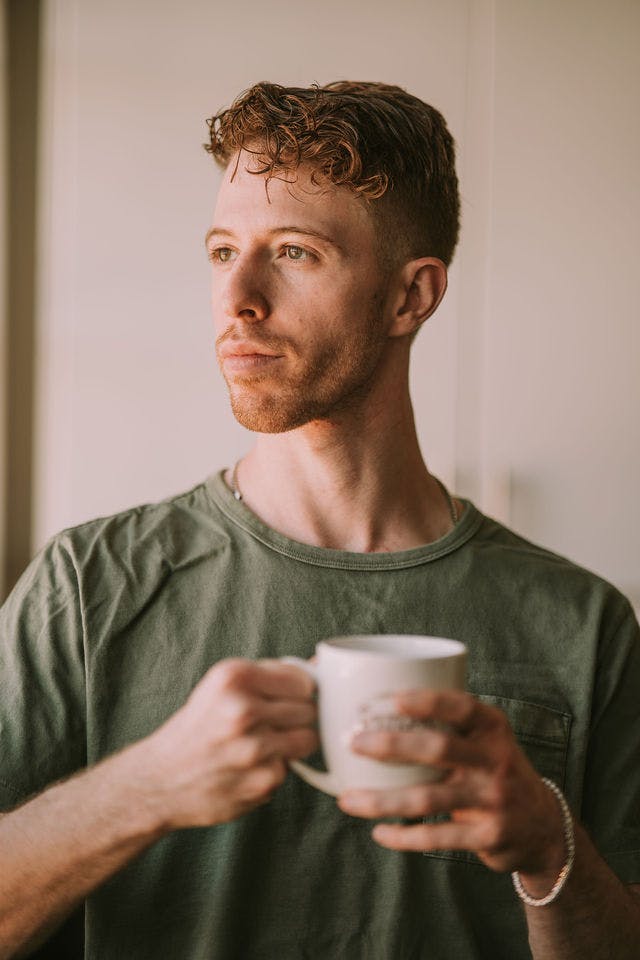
x=320 y=779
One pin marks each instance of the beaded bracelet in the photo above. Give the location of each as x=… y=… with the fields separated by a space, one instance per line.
x=567 y=823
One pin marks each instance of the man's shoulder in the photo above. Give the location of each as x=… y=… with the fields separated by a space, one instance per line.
x=192 y=506
x=168 y=533
x=512 y=559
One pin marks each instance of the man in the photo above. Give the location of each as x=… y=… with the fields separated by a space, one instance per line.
x=146 y=646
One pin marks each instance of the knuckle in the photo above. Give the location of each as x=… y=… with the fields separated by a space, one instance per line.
x=241 y=715
x=440 y=746
x=248 y=752
x=232 y=674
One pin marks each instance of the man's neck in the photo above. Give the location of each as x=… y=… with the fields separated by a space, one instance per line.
x=356 y=483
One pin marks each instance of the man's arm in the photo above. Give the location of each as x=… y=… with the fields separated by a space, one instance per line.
x=501 y=810
x=595 y=915
x=222 y=754
x=65 y=842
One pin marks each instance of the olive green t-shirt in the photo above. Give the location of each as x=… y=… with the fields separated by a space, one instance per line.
x=113 y=624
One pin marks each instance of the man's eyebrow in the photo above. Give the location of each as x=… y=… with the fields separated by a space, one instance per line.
x=307 y=233
x=216 y=232
x=302 y=231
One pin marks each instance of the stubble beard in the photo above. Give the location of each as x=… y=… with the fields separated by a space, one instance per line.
x=334 y=381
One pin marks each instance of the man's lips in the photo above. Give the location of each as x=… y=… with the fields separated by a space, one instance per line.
x=232 y=350
x=246 y=358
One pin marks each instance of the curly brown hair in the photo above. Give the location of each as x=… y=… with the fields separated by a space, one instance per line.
x=390 y=148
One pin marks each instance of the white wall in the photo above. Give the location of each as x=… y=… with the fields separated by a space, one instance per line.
x=525 y=383
x=563 y=343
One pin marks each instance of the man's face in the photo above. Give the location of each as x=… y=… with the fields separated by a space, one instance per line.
x=298 y=299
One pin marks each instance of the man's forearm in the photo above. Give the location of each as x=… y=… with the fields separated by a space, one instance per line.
x=65 y=842
x=219 y=756
x=595 y=915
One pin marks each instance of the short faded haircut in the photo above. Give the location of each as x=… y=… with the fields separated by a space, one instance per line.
x=390 y=148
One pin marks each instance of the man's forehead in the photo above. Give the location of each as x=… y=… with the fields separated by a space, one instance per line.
x=252 y=198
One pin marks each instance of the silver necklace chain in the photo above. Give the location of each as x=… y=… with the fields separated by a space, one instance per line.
x=453 y=510
x=234 y=482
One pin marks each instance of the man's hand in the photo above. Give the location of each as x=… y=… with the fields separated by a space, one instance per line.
x=498 y=806
x=217 y=757
x=225 y=751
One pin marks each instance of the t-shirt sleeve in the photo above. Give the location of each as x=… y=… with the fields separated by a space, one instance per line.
x=611 y=800
x=42 y=678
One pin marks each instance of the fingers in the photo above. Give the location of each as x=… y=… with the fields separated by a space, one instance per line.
x=294 y=744
x=285 y=714
x=455 y=707
x=418 y=801
x=435 y=748
x=433 y=836
x=244 y=694
x=458 y=731
x=244 y=712
x=265 y=678
x=227 y=747
x=271 y=678
x=263 y=745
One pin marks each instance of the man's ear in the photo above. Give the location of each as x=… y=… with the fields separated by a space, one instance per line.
x=422 y=286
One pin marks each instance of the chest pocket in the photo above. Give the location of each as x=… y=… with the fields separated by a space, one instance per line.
x=543 y=734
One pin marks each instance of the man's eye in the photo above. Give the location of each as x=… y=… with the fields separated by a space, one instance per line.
x=221 y=254
x=293 y=252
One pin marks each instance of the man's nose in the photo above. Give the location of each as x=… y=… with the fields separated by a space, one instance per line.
x=244 y=294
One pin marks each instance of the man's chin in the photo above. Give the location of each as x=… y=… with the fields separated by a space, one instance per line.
x=264 y=417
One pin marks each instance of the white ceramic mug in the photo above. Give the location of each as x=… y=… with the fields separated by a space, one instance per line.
x=356 y=679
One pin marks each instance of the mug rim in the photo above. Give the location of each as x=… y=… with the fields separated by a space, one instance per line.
x=348 y=643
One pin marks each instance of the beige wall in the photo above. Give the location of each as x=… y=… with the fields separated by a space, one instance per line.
x=525 y=382
x=563 y=343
